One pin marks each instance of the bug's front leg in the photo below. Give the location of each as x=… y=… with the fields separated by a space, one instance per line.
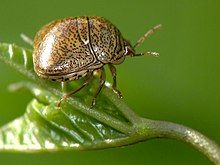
x=114 y=86
x=101 y=83
x=88 y=79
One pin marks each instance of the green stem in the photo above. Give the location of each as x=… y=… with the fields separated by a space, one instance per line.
x=102 y=117
x=164 y=129
x=121 y=105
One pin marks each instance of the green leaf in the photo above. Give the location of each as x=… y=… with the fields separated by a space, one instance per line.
x=45 y=127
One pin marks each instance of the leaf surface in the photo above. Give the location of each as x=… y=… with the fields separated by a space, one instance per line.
x=46 y=127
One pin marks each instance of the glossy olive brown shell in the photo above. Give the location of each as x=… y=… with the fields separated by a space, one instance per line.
x=68 y=49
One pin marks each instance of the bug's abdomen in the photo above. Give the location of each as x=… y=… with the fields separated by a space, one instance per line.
x=62 y=48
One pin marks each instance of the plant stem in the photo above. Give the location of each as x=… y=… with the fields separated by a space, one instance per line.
x=163 y=129
x=120 y=104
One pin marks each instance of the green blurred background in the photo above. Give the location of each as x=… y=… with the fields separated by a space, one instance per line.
x=182 y=85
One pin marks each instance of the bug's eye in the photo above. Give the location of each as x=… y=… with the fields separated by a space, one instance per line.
x=129 y=51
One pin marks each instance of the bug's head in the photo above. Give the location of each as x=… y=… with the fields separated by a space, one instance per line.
x=125 y=50
x=129 y=50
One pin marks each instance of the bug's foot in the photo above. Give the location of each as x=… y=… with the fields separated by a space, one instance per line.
x=117 y=92
x=93 y=103
x=59 y=103
x=61 y=100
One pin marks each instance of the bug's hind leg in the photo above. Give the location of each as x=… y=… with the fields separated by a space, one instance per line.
x=88 y=79
x=114 y=86
x=101 y=83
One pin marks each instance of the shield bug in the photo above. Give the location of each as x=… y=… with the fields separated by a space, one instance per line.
x=72 y=48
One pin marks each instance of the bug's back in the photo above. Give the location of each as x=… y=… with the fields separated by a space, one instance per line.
x=75 y=44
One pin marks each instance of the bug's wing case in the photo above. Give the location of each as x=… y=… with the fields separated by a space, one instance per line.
x=62 y=47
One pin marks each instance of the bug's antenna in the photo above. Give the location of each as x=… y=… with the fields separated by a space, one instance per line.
x=146 y=35
x=148 y=53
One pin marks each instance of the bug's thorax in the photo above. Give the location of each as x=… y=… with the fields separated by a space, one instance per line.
x=108 y=45
x=124 y=49
x=127 y=50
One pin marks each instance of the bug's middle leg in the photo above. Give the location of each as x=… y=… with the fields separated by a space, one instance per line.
x=88 y=79
x=101 y=83
x=114 y=86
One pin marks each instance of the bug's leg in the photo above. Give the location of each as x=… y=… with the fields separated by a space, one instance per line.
x=65 y=96
x=114 y=86
x=26 y=39
x=101 y=83
x=146 y=35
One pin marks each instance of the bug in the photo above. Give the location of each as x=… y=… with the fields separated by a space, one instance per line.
x=72 y=48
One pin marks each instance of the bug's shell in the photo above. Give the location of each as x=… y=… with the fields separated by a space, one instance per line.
x=68 y=49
